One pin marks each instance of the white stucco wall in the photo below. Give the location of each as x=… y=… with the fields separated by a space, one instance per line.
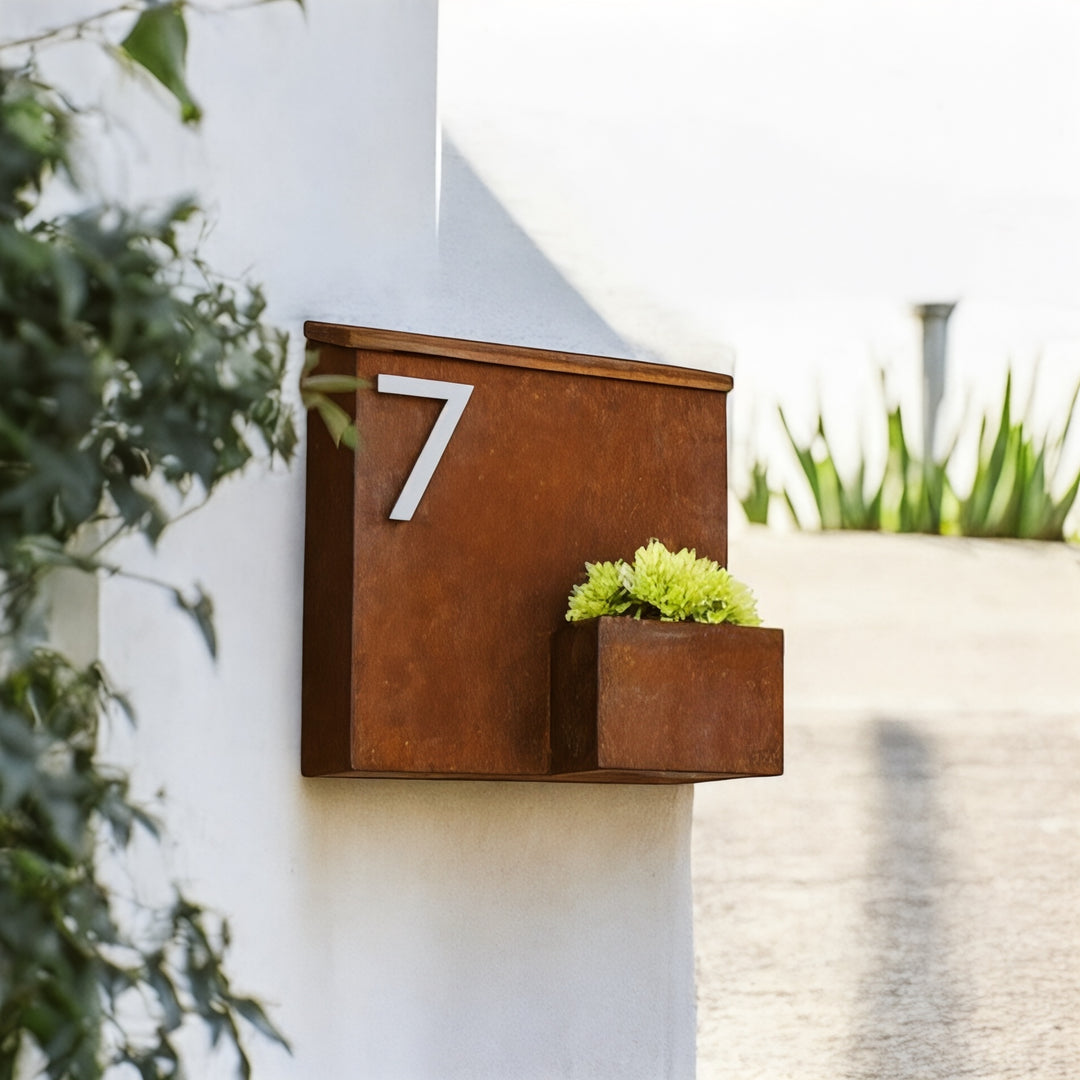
x=398 y=929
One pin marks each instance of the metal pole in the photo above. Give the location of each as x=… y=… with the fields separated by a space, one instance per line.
x=935 y=320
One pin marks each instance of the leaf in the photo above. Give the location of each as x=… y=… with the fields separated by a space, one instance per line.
x=1034 y=498
x=791 y=509
x=158 y=42
x=333 y=384
x=1059 y=442
x=255 y=1015
x=755 y=502
x=201 y=609
x=338 y=422
x=1056 y=523
x=971 y=513
x=992 y=478
x=806 y=460
x=835 y=502
x=162 y=985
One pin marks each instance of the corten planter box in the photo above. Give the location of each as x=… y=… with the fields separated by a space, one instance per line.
x=648 y=701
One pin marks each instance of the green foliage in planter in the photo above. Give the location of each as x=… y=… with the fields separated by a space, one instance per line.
x=1011 y=495
x=661 y=584
x=131 y=377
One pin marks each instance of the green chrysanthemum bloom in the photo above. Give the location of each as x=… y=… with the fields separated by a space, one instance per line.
x=668 y=581
x=661 y=584
x=602 y=593
x=740 y=605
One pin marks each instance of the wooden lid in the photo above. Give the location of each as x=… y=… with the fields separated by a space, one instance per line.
x=362 y=337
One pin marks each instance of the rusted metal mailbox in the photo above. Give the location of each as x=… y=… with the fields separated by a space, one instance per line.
x=439 y=558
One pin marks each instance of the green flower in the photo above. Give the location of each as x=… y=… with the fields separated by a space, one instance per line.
x=602 y=594
x=661 y=584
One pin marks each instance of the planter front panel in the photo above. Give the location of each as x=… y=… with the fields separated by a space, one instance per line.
x=427 y=641
x=669 y=698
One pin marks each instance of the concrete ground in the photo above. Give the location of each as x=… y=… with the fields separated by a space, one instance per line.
x=905 y=901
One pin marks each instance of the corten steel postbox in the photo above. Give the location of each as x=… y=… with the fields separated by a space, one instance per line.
x=440 y=555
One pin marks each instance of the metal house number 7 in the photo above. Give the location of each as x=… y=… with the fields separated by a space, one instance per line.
x=456 y=396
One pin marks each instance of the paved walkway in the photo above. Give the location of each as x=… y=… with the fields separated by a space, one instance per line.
x=904 y=904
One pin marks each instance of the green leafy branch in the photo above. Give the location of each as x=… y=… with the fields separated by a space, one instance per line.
x=131 y=378
x=72 y=967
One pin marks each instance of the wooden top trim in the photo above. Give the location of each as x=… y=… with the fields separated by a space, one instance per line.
x=362 y=337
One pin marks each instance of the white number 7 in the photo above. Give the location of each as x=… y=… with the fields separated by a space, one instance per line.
x=456 y=396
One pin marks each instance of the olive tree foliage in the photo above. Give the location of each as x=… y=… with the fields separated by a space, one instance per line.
x=131 y=378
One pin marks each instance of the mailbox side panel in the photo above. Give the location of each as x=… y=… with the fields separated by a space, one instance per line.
x=329 y=587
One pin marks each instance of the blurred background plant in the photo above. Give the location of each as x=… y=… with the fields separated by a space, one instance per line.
x=1018 y=490
x=133 y=380
x=755 y=500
